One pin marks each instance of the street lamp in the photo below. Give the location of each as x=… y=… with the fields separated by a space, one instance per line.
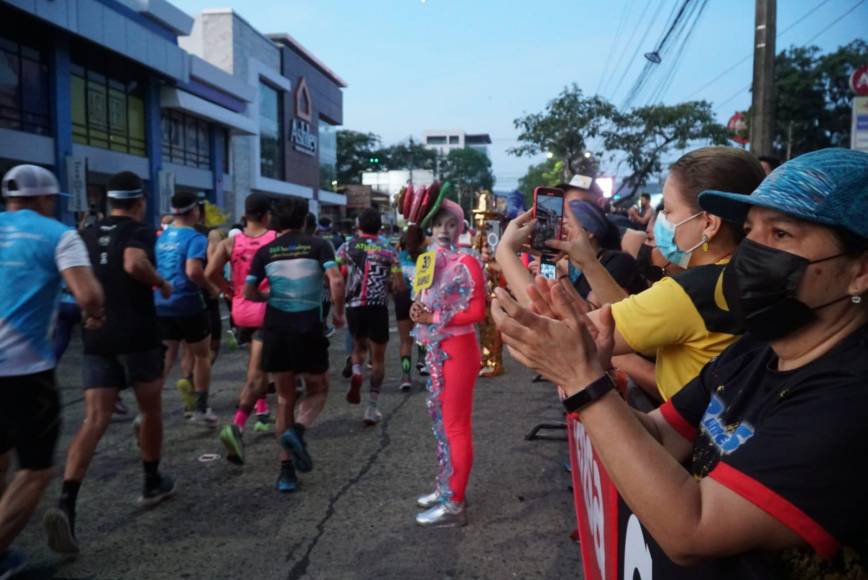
x=549 y=155
x=587 y=154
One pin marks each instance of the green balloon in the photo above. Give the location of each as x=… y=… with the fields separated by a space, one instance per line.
x=435 y=207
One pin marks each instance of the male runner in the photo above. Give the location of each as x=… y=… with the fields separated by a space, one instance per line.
x=248 y=316
x=372 y=263
x=36 y=252
x=181 y=254
x=125 y=351
x=293 y=343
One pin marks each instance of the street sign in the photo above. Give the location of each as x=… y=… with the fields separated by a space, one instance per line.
x=859 y=81
x=859 y=127
x=76 y=179
x=738 y=129
x=167 y=190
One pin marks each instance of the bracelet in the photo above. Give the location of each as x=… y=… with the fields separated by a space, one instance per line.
x=591 y=393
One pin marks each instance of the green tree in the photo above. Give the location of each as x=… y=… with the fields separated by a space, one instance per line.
x=814 y=100
x=408 y=155
x=468 y=170
x=546 y=174
x=645 y=134
x=355 y=151
x=564 y=129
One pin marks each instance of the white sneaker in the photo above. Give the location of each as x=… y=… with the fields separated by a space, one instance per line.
x=372 y=415
x=207 y=418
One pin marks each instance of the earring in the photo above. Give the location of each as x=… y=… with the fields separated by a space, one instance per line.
x=856 y=299
x=705 y=244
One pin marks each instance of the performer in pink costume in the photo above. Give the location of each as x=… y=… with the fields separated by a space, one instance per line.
x=445 y=315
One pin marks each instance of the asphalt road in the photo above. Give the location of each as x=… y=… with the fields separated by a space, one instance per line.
x=352 y=517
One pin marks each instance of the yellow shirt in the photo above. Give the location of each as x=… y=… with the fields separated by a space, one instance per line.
x=683 y=319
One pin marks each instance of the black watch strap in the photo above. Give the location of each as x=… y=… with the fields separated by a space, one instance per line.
x=593 y=392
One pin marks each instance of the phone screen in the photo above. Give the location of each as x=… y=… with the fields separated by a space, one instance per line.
x=548 y=270
x=549 y=213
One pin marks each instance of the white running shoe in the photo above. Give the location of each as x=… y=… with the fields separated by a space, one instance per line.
x=372 y=415
x=207 y=418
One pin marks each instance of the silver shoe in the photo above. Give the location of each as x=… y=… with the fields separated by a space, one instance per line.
x=446 y=514
x=426 y=501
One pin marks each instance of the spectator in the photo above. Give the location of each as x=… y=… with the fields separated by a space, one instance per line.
x=754 y=467
x=640 y=216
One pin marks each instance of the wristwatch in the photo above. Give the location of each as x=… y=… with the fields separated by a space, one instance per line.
x=593 y=392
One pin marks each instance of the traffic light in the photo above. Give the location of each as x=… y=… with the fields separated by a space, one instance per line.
x=374 y=160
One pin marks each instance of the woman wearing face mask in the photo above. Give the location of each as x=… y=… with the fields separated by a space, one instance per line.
x=755 y=468
x=684 y=318
x=445 y=314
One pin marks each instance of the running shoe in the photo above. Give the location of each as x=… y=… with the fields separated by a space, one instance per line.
x=348 y=368
x=59 y=525
x=406 y=383
x=157 y=492
x=372 y=415
x=422 y=369
x=207 y=418
x=354 y=393
x=188 y=395
x=287 y=482
x=263 y=424
x=11 y=563
x=231 y=437
x=293 y=443
x=120 y=409
x=329 y=331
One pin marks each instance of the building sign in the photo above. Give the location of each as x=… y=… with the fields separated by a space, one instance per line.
x=303 y=140
x=859 y=129
x=167 y=190
x=76 y=180
x=859 y=81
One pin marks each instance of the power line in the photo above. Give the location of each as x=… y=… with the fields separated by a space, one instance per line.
x=624 y=48
x=621 y=21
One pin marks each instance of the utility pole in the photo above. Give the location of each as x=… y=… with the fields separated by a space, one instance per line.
x=762 y=122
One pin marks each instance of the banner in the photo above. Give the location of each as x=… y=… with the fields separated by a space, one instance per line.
x=614 y=544
x=76 y=180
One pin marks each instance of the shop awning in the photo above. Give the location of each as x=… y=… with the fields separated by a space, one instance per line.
x=172 y=98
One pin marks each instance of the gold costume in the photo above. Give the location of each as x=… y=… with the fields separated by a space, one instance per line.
x=489 y=337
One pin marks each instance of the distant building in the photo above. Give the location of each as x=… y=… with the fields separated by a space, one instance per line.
x=391 y=182
x=445 y=141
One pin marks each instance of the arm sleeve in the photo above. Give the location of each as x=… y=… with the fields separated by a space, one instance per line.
x=257 y=268
x=70 y=252
x=661 y=315
x=197 y=249
x=801 y=470
x=475 y=310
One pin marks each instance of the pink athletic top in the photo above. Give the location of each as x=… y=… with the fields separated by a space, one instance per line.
x=245 y=313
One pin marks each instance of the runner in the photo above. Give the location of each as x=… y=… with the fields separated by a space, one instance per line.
x=181 y=253
x=371 y=263
x=248 y=316
x=36 y=252
x=293 y=343
x=125 y=351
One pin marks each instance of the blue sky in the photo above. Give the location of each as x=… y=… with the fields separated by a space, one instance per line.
x=475 y=65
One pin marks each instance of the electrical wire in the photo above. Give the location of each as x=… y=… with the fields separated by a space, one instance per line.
x=604 y=74
x=624 y=47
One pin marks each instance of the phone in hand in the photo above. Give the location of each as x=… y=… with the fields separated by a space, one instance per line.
x=548 y=269
x=548 y=211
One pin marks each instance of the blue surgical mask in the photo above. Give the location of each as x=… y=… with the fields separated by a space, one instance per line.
x=664 y=237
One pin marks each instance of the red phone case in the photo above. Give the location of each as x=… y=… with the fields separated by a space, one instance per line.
x=559 y=227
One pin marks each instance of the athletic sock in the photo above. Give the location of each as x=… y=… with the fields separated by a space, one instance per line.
x=405 y=365
x=262 y=406
x=69 y=494
x=357 y=368
x=241 y=416
x=202 y=401
x=152 y=472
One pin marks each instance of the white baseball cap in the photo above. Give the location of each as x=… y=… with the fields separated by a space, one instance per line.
x=29 y=181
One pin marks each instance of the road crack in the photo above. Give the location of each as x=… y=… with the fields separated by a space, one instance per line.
x=300 y=569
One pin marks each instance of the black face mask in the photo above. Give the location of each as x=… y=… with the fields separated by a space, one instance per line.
x=648 y=270
x=760 y=285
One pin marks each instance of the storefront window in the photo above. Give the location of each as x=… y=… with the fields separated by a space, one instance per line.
x=23 y=88
x=328 y=156
x=270 y=164
x=185 y=140
x=108 y=109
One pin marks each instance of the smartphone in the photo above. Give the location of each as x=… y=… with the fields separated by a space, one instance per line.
x=548 y=211
x=548 y=269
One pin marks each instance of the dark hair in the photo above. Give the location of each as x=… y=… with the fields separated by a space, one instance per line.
x=646 y=195
x=722 y=168
x=611 y=240
x=256 y=205
x=125 y=181
x=850 y=243
x=773 y=162
x=310 y=224
x=325 y=222
x=183 y=199
x=289 y=213
x=413 y=240
x=124 y=204
x=370 y=221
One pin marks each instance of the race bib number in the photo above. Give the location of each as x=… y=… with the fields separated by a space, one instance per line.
x=424 y=271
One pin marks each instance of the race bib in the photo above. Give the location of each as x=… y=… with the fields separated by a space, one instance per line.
x=424 y=271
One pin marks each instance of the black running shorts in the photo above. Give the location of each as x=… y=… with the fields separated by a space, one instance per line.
x=190 y=329
x=370 y=322
x=121 y=370
x=248 y=333
x=403 y=301
x=286 y=351
x=30 y=418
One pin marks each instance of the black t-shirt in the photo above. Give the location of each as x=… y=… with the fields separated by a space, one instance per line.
x=211 y=303
x=131 y=319
x=794 y=443
x=623 y=268
x=295 y=265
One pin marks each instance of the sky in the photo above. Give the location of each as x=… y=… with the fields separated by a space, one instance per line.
x=476 y=65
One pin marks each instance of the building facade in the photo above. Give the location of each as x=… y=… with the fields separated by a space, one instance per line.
x=443 y=141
